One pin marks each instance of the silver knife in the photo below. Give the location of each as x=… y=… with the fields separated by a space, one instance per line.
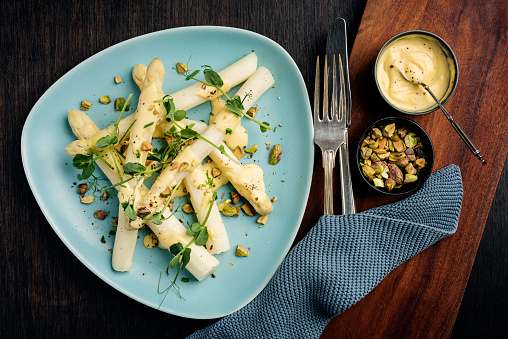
x=336 y=51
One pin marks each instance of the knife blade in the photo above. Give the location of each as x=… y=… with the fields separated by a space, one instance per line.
x=336 y=51
x=336 y=44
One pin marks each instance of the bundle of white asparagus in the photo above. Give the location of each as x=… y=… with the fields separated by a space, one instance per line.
x=148 y=122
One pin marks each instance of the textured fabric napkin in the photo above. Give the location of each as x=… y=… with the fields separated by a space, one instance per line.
x=342 y=259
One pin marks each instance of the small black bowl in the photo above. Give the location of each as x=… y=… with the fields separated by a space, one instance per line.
x=427 y=147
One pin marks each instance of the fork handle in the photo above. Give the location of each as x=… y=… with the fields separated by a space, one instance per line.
x=346 y=188
x=328 y=164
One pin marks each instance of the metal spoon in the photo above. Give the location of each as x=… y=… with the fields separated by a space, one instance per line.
x=413 y=74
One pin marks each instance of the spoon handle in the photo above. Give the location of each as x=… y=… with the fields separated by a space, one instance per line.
x=462 y=134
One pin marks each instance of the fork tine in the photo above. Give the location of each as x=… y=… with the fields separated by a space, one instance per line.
x=325 y=93
x=335 y=112
x=316 y=93
x=342 y=99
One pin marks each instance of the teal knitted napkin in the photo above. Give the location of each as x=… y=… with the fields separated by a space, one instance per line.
x=342 y=259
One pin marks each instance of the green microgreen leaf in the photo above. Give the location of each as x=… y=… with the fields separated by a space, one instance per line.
x=174 y=262
x=235 y=105
x=138 y=154
x=152 y=157
x=179 y=115
x=169 y=105
x=80 y=161
x=133 y=168
x=263 y=128
x=201 y=237
x=192 y=75
x=129 y=212
x=103 y=142
x=212 y=77
x=175 y=249
x=229 y=131
x=185 y=257
x=157 y=218
x=103 y=240
x=87 y=171
x=188 y=133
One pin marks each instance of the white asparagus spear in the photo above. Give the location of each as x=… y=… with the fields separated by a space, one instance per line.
x=201 y=197
x=185 y=99
x=140 y=138
x=193 y=155
x=139 y=74
x=246 y=179
x=202 y=263
x=125 y=240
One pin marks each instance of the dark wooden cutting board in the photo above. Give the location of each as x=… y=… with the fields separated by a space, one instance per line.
x=422 y=297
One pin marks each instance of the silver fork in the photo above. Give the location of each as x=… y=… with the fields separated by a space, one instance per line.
x=330 y=134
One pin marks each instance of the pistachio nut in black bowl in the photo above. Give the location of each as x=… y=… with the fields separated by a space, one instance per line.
x=395 y=155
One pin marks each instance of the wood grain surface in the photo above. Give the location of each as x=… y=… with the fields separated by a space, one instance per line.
x=422 y=296
x=47 y=292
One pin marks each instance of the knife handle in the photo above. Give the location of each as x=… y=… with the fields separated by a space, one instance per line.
x=346 y=187
x=328 y=164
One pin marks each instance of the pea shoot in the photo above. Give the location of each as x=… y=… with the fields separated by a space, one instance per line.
x=234 y=104
x=199 y=233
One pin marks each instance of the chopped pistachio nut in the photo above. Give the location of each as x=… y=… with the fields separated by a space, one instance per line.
x=166 y=193
x=181 y=67
x=239 y=152
x=263 y=219
x=119 y=101
x=252 y=111
x=230 y=211
x=187 y=208
x=248 y=209
x=388 y=130
x=410 y=141
x=143 y=212
x=399 y=146
x=82 y=188
x=183 y=166
x=378 y=182
x=87 y=200
x=391 y=157
x=253 y=149
x=374 y=144
x=100 y=214
x=241 y=251
x=420 y=163
x=235 y=197
x=85 y=105
x=409 y=178
x=215 y=172
x=390 y=184
x=146 y=146
x=223 y=204
x=118 y=79
x=376 y=133
x=275 y=154
x=105 y=99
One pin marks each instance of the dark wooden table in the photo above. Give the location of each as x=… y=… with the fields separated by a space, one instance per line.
x=46 y=291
